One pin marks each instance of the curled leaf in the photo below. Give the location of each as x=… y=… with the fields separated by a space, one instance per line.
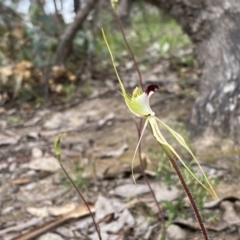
x=114 y=4
x=56 y=146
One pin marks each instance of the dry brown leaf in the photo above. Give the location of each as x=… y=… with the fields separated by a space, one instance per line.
x=230 y=216
x=131 y=190
x=115 y=211
x=38 y=212
x=31 y=179
x=115 y=153
x=18 y=31
x=49 y=164
x=71 y=77
x=5 y=73
x=61 y=210
x=27 y=75
x=21 y=181
x=21 y=67
x=7 y=140
x=80 y=211
x=21 y=226
x=58 y=71
x=105 y=207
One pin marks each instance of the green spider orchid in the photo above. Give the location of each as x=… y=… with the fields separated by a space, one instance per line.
x=138 y=104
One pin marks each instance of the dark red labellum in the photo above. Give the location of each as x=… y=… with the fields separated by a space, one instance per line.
x=151 y=88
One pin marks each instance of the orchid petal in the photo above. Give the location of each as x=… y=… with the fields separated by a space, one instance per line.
x=115 y=69
x=138 y=105
x=138 y=144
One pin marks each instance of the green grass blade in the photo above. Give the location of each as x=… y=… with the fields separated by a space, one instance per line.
x=56 y=146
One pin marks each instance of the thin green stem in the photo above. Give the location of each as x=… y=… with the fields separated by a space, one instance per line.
x=85 y=202
x=129 y=48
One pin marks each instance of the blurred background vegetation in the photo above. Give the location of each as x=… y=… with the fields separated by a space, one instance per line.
x=32 y=33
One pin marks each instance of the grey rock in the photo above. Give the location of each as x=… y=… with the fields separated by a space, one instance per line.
x=174 y=232
x=50 y=236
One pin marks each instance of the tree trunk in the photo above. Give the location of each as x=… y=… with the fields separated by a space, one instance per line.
x=69 y=34
x=213 y=26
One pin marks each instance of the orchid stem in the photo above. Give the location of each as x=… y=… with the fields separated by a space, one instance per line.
x=139 y=126
x=129 y=48
x=172 y=158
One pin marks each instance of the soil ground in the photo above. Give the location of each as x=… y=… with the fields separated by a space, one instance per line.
x=97 y=152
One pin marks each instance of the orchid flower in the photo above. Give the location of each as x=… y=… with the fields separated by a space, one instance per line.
x=138 y=104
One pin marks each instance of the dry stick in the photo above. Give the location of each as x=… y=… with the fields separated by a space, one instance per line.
x=172 y=158
x=160 y=210
x=85 y=202
x=139 y=127
x=58 y=23
x=67 y=37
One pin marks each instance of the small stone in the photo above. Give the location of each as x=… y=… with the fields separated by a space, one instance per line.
x=50 y=236
x=2 y=110
x=30 y=186
x=129 y=65
x=13 y=167
x=174 y=232
x=50 y=164
x=37 y=152
x=30 y=172
x=54 y=122
x=33 y=135
x=3 y=166
x=65 y=232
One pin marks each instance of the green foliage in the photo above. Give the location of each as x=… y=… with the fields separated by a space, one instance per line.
x=198 y=193
x=77 y=179
x=164 y=170
x=68 y=90
x=180 y=127
x=14 y=119
x=57 y=147
x=76 y=176
x=165 y=173
x=148 y=29
x=86 y=89
x=174 y=209
x=34 y=40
